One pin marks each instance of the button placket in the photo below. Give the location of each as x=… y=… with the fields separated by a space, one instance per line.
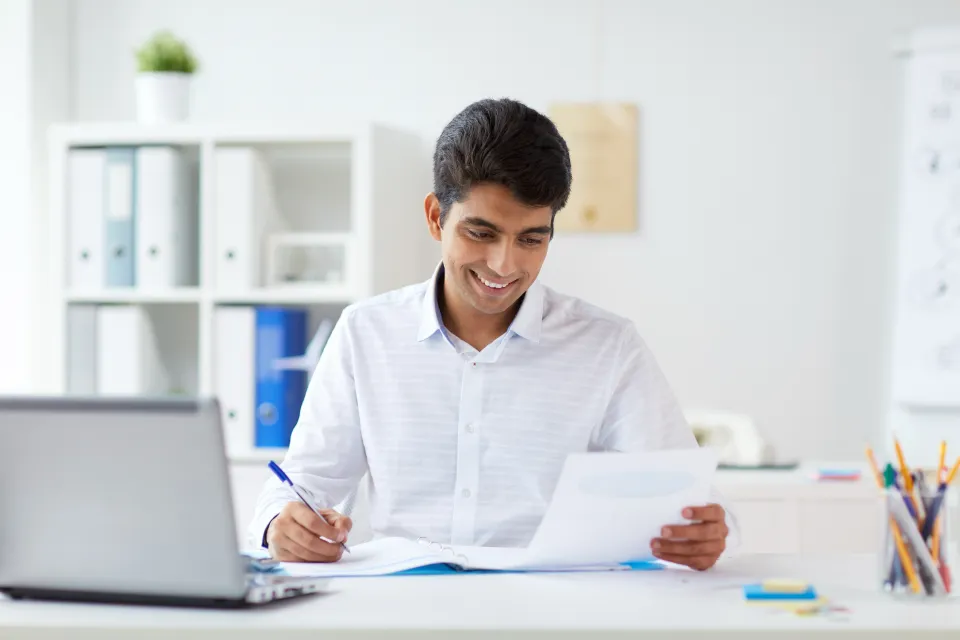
x=468 y=456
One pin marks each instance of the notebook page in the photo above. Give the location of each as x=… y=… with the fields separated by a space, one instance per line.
x=514 y=559
x=375 y=558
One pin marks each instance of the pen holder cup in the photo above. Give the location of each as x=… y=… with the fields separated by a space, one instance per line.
x=916 y=554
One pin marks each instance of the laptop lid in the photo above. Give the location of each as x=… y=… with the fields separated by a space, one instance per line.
x=116 y=496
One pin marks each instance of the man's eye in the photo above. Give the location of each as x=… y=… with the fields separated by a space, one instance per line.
x=531 y=242
x=477 y=235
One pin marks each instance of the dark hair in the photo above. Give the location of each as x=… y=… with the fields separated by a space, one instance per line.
x=502 y=142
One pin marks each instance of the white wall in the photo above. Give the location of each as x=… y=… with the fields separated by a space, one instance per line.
x=34 y=74
x=762 y=272
x=16 y=234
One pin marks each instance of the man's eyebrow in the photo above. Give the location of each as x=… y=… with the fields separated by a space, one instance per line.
x=480 y=222
x=540 y=230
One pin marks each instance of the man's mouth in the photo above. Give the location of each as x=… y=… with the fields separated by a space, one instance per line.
x=492 y=286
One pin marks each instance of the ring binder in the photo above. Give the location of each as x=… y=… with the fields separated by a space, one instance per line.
x=457 y=557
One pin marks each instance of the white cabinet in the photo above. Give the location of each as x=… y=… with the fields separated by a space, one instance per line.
x=246 y=481
x=767 y=526
x=844 y=525
x=791 y=512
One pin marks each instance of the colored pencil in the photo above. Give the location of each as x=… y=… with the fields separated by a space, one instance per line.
x=943 y=455
x=907 y=478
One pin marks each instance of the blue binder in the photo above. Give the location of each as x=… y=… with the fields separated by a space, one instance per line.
x=280 y=333
x=119 y=204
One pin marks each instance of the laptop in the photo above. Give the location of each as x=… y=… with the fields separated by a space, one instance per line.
x=124 y=500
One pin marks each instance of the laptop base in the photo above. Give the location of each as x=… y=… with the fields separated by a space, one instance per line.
x=56 y=595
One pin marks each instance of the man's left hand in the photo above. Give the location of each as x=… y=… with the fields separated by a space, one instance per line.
x=696 y=545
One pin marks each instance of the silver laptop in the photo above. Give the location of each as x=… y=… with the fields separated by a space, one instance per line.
x=124 y=501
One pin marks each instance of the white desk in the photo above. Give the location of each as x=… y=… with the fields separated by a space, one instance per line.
x=529 y=606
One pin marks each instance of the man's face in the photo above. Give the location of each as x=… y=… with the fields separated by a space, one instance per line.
x=493 y=246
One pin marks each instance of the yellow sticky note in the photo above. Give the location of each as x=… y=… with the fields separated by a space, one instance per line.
x=785 y=586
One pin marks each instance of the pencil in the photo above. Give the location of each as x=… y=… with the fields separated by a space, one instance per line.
x=904 y=558
x=943 y=454
x=875 y=468
x=953 y=472
x=936 y=541
x=907 y=478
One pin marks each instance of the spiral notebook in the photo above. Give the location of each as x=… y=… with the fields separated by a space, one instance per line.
x=388 y=556
x=629 y=496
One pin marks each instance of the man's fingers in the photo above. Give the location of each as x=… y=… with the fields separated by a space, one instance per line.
x=707 y=513
x=701 y=531
x=322 y=550
x=303 y=553
x=700 y=563
x=688 y=547
x=337 y=520
x=313 y=523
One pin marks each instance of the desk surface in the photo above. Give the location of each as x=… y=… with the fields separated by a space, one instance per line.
x=667 y=604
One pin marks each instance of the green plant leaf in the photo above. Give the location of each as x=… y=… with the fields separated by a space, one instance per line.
x=165 y=52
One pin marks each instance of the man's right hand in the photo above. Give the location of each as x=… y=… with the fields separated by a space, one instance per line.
x=295 y=534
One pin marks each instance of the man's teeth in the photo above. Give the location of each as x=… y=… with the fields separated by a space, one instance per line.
x=492 y=285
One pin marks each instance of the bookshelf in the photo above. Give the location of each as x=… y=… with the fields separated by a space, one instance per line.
x=356 y=189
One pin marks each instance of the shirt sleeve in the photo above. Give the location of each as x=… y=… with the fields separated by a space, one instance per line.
x=643 y=414
x=326 y=455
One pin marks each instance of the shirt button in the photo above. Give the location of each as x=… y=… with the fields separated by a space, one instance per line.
x=465 y=493
x=470 y=428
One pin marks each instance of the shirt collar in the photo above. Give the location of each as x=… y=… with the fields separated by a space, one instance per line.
x=429 y=309
x=527 y=324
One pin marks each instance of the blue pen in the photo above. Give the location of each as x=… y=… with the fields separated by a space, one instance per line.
x=286 y=480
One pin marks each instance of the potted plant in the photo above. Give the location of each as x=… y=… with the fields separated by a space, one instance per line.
x=165 y=65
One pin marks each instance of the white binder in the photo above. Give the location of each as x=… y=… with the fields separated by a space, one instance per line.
x=82 y=349
x=128 y=357
x=245 y=213
x=84 y=204
x=166 y=225
x=234 y=375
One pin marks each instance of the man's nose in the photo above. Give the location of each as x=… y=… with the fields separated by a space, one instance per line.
x=502 y=258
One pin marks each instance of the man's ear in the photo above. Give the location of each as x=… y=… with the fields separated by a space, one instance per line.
x=431 y=207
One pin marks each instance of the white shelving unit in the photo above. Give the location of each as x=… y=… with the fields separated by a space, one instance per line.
x=360 y=184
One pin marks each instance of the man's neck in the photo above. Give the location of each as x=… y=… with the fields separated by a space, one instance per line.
x=475 y=328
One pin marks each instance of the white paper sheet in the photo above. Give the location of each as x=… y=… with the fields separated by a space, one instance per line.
x=377 y=557
x=608 y=507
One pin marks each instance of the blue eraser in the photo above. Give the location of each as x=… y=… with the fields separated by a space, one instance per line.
x=758 y=592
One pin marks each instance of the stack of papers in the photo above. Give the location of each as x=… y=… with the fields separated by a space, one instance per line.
x=629 y=497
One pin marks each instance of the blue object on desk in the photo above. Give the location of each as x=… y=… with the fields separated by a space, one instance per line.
x=757 y=592
x=446 y=569
x=645 y=565
x=838 y=474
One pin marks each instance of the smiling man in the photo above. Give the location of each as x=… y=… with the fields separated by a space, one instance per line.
x=462 y=396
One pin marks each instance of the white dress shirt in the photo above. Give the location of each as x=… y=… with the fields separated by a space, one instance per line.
x=465 y=447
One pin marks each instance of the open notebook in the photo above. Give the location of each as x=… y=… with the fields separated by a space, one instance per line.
x=386 y=556
x=629 y=497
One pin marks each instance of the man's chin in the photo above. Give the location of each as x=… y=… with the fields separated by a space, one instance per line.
x=492 y=307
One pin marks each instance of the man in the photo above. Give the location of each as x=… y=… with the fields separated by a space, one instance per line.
x=462 y=396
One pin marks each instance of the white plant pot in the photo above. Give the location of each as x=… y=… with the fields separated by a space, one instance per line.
x=162 y=97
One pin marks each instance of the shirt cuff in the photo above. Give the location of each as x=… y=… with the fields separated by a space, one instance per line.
x=263 y=541
x=257 y=529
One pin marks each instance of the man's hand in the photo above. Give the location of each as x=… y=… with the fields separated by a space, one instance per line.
x=295 y=534
x=696 y=545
